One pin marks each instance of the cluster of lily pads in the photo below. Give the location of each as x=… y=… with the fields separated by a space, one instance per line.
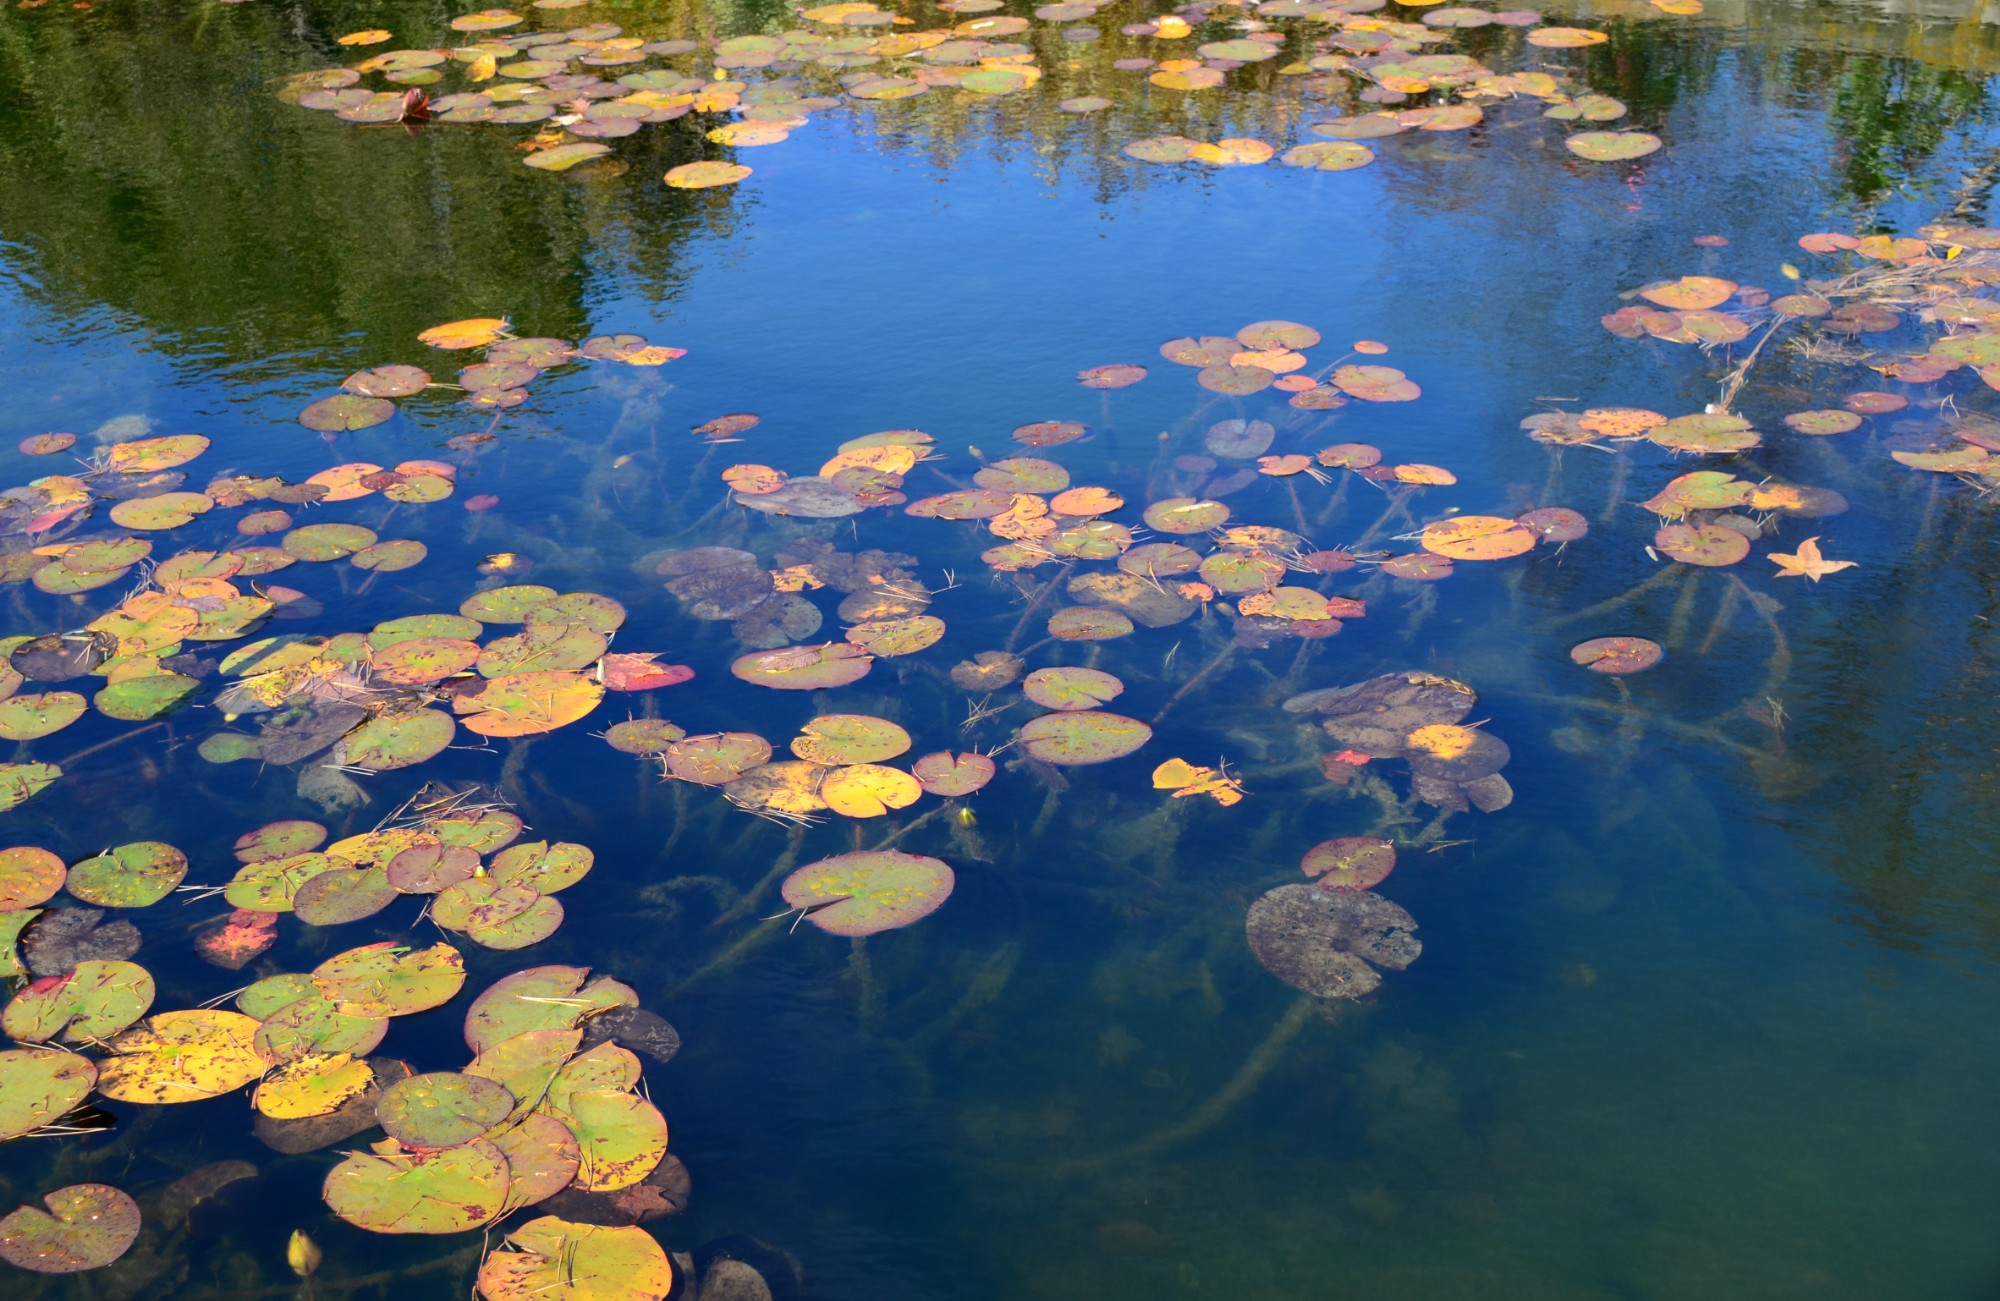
x=586 y=85
x=548 y=1112
x=498 y=382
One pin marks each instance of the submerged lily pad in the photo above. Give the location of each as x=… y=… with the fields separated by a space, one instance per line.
x=869 y=891
x=1323 y=942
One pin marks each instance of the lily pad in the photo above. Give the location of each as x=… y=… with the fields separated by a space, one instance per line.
x=442 y=1109
x=1350 y=862
x=131 y=876
x=805 y=668
x=39 y=1086
x=869 y=891
x=182 y=1057
x=92 y=1002
x=950 y=774
x=1083 y=738
x=550 y=1259
x=388 y=979
x=86 y=1226
x=541 y=998
x=28 y=876
x=1616 y=655
x=1069 y=689
x=400 y=1191
x=27 y=718
x=1328 y=943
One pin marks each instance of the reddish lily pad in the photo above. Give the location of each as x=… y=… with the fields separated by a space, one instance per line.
x=86 y=1226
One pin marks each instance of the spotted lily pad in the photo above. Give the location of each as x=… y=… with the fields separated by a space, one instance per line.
x=86 y=1226
x=131 y=876
x=28 y=717
x=40 y=1085
x=1328 y=943
x=92 y=1002
x=401 y=1191
x=182 y=1057
x=388 y=979
x=551 y=1259
x=1350 y=862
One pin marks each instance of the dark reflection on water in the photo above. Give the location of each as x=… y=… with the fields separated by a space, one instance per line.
x=1703 y=1012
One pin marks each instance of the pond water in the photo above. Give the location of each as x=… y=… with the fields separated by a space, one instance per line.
x=1703 y=1010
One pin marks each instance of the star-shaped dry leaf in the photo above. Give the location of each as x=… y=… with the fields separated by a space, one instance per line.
x=1808 y=563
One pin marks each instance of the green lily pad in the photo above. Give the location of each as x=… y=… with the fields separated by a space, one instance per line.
x=344 y=895
x=11 y=926
x=542 y=1158
x=563 y=157
x=598 y=613
x=1070 y=689
x=131 y=876
x=323 y=542
x=481 y=901
x=1702 y=544
x=442 y=1108
x=389 y=979
x=39 y=1086
x=314 y=1023
x=805 y=668
x=390 y=557
x=272 y=885
x=541 y=998
x=21 y=782
x=262 y=997
x=451 y=626
x=647 y=736
x=540 y=648
x=86 y=1226
x=950 y=774
x=620 y=1137
x=1081 y=738
x=28 y=876
x=552 y=1259
x=506 y=604
x=25 y=718
x=91 y=1003
x=392 y=741
x=276 y=840
x=344 y=412
x=1611 y=146
x=544 y=867
x=421 y=661
x=167 y=510
x=135 y=700
x=868 y=891
x=59 y=579
x=1328 y=156
x=526 y=1064
x=532 y=925
x=447 y=1191
x=481 y=832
